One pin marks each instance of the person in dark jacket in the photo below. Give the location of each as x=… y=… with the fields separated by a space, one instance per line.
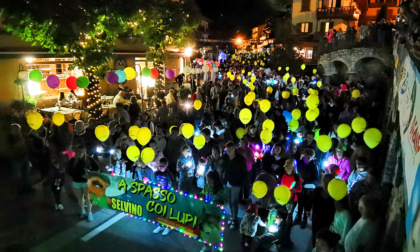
x=77 y=169
x=308 y=172
x=273 y=161
x=235 y=176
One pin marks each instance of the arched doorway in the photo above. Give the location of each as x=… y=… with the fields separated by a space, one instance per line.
x=340 y=75
x=373 y=72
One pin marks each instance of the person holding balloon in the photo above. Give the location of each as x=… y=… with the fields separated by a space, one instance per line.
x=341 y=161
x=186 y=168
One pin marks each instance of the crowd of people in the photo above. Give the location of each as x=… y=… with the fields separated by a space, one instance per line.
x=225 y=169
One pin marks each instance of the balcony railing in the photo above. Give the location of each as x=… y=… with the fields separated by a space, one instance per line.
x=344 y=12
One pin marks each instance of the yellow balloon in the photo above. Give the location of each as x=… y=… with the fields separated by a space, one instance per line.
x=286 y=77
x=255 y=63
x=259 y=189
x=282 y=194
x=372 y=137
x=312 y=101
x=252 y=95
x=58 y=119
x=337 y=189
x=244 y=81
x=293 y=79
x=130 y=73
x=293 y=125
x=248 y=100
x=324 y=143
x=303 y=67
x=133 y=153
x=199 y=141
x=34 y=120
x=245 y=115
x=253 y=78
x=147 y=155
x=285 y=94
x=240 y=132
x=229 y=74
x=232 y=78
x=133 y=131
x=251 y=86
x=355 y=93
x=358 y=124
x=295 y=91
x=239 y=77
x=287 y=68
x=266 y=136
x=243 y=71
x=102 y=132
x=187 y=130
x=144 y=135
x=265 y=105
x=249 y=73
x=170 y=129
x=269 y=90
x=296 y=114
x=314 y=71
x=198 y=104
x=312 y=114
x=319 y=84
x=343 y=130
x=279 y=68
x=268 y=124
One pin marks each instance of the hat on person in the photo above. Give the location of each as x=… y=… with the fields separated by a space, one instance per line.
x=341 y=147
x=289 y=162
x=252 y=208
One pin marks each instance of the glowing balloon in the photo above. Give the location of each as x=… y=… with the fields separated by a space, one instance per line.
x=372 y=137
x=197 y=104
x=102 y=132
x=312 y=114
x=296 y=114
x=312 y=101
x=170 y=129
x=259 y=189
x=244 y=81
x=293 y=79
x=53 y=81
x=170 y=73
x=286 y=77
x=319 y=84
x=279 y=68
x=266 y=136
x=133 y=153
x=232 y=77
x=112 y=78
x=253 y=78
x=187 y=130
x=295 y=91
x=249 y=73
x=240 y=132
x=358 y=124
x=248 y=99
x=269 y=90
x=355 y=93
x=324 y=143
x=147 y=155
x=285 y=94
x=303 y=67
x=130 y=73
x=121 y=76
x=35 y=76
x=293 y=125
x=282 y=194
x=199 y=141
x=82 y=82
x=71 y=83
x=144 y=135
x=287 y=115
x=343 y=130
x=251 y=86
x=287 y=68
x=146 y=72
x=265 y=105
x=58 y=119
x=337 y=189
x=133 y=131
x=245 y=115
x=268 y=124
x=314 y=71
x=239 y=77
x=34 y=120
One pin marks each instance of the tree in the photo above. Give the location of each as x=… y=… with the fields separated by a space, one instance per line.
x=89 y=29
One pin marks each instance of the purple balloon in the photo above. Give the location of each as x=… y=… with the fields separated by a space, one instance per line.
x=170 y=73
x=53 y=81
x=112 y=78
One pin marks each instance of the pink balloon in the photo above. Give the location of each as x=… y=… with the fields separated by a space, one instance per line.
x=53 y=81
x=170 y=73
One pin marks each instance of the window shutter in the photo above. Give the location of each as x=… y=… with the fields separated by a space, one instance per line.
x=322 y=29
x=310 y=28
x=299 y=26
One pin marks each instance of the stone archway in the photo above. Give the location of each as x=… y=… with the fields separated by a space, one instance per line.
x=340 y=73
x=373 y=72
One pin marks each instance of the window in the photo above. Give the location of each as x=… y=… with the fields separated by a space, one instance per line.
x=326 y=26
x=306 y=5
x=306 y=27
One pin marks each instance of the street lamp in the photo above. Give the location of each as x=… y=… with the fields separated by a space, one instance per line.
x=239 y=40
x=188 y=52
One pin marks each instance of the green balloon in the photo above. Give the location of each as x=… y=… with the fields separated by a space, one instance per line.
x=82 y=82
x=35 y=76
x=293 y=125
x=146 y=72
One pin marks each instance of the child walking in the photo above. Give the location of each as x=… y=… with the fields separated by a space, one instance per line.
x=249 y=224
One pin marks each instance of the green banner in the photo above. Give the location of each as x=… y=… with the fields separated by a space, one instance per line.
x=195 y=217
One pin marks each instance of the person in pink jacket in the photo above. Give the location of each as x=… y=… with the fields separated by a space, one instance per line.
x=342 y=162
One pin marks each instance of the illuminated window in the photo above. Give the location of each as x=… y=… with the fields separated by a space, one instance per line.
x=306 y=27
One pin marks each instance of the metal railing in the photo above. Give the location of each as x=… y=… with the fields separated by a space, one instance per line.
x=344 y=12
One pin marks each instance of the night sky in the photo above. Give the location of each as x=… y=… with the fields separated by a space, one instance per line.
x=236 y=14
